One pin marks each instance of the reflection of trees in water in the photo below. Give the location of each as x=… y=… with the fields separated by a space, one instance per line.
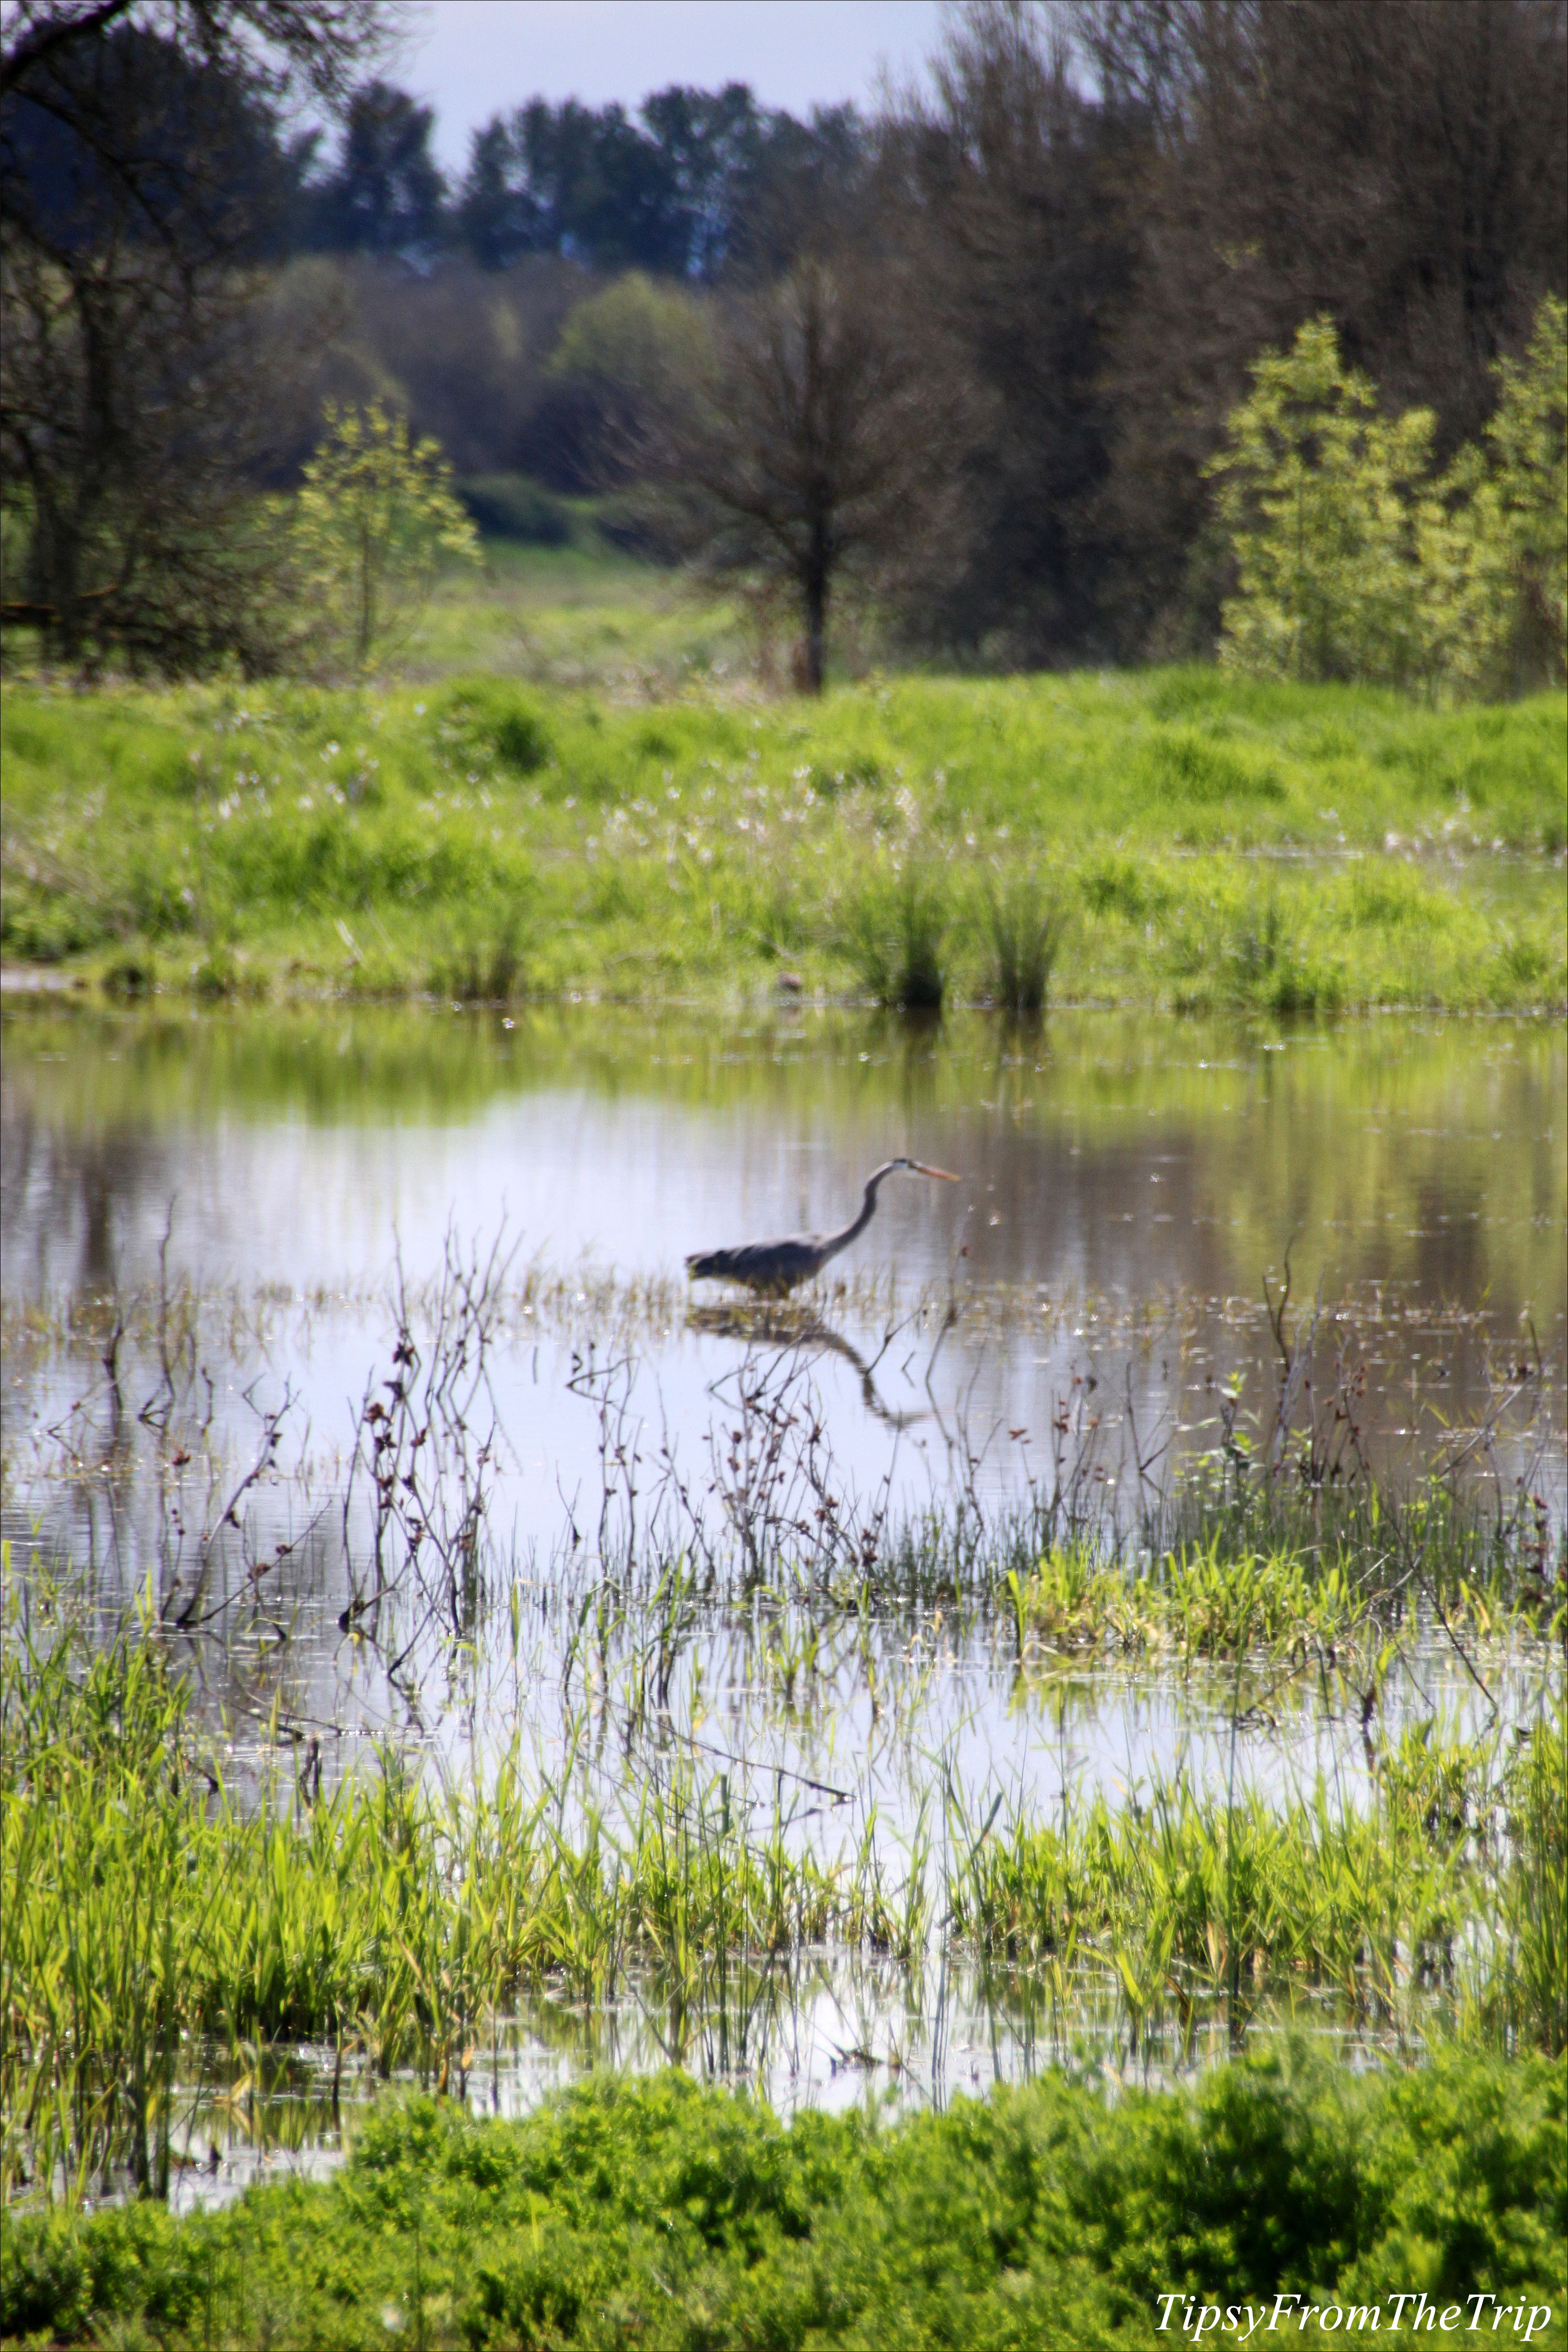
x=70 y=1193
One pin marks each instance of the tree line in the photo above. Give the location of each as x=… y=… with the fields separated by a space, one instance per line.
x=973 y=358
x=697 y=183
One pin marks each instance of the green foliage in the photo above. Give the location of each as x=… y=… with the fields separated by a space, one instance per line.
x=482 y=970
x=376 y=517
x=1494 y=538
x=688 y=847
x=509 y=505
x=147 y=1905
x=1187 y=1889
x=669 y=2216
x=637 y=337
x=1319 y=494
x=1351 y=563
x=494 y=724
x=1204 y=1600
x=897 y=930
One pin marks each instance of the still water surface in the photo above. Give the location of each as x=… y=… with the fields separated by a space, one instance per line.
x=1128 y=1184
x=1117 y=1171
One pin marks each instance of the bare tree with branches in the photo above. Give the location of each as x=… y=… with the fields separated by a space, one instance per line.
x=808 y=444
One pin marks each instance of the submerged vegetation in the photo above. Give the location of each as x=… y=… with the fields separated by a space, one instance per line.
x=1208 y=842
x=148 y=1903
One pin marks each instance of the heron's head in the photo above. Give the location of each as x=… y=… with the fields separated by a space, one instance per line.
x=919 y=1168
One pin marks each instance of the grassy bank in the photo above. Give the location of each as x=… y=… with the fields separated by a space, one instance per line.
x=659 y=2214
x=1167 y=838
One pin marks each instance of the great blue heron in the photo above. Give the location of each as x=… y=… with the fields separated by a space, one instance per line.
x=778 y=1267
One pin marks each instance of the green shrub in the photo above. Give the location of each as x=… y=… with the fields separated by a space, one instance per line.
x=1319 y=491
x=1353 y=563
x=658 y=2214
x=493 y=720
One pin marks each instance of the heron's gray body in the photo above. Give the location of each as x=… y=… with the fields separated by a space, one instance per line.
x=778 y=1266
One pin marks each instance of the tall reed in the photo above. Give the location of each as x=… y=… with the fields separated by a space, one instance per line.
x=896 y=939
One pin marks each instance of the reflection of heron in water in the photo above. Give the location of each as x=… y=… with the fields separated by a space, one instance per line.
x=793 y=1329
x=776 y=1267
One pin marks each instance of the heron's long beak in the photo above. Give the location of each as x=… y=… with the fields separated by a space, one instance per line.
x=917 y=1169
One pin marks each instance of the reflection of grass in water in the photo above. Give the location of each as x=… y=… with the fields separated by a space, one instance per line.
x=144 y=1905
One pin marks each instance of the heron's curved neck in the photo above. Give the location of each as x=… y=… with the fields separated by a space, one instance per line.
x=846 y=1234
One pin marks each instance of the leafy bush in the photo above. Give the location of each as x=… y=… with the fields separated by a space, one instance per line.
x=663 y=2214
x=1494 y=539
x=493 y=721
x=1319 y=492
x=374 y=520
x=1353 y=562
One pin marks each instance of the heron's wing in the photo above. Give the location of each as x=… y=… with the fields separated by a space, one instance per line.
x=790 y=1253
x=789 y=1259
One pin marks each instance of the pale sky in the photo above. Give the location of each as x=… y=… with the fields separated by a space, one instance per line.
x=473 y=59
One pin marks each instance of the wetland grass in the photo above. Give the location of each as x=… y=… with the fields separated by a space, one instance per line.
x=1445 y=1878
x=1028 y=923
x=152 y=1915
x=177 y=1909
x=147 y=1907
x=897 y=937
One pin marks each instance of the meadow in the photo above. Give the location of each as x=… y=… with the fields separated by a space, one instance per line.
x=581 y=783
x=1139 y=1874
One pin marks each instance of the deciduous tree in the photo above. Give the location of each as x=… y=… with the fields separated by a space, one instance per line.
x=141 y=166
x=1321 y=495
x=808 y=447
x=375 y=520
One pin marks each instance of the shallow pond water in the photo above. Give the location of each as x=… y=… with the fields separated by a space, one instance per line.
x=1085 y=1312
x=1089 y=1299
x=1117 y=1171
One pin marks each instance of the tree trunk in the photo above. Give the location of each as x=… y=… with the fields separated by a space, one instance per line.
x=814 y=587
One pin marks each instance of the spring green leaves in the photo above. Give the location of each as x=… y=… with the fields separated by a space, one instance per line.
x=1356 y=560
x=375 y=520
x=667 y=2214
